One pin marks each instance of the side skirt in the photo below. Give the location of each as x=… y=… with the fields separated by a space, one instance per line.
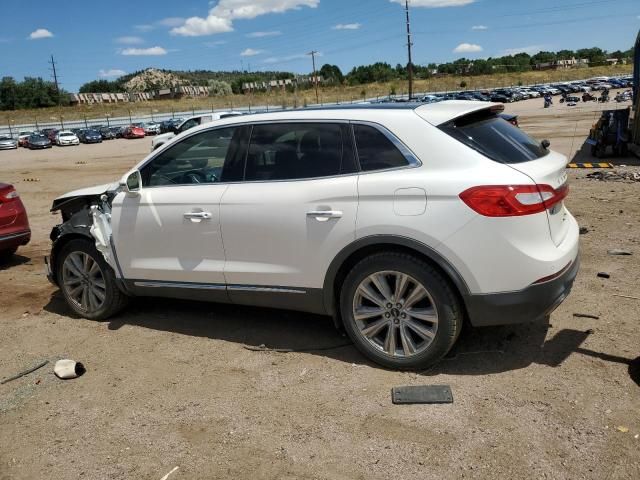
x=310 y=300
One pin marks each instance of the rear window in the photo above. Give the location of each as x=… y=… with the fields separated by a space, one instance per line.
x=495 y=138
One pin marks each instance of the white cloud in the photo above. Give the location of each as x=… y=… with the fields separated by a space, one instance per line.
x=129 y=40
x=40 y=33
x=112 y=72
x=531 y=49
x=144 y=28
x=347 y=26
x=214 y=44
x=221 y=16
x=274 y=33
x=479 y=27
x=436 y=3
x=467 y=48
x=250 y=52
x=170 y=22
x=151 y=51
x=289 y=58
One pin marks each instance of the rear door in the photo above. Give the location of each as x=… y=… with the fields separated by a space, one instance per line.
x=294 y=211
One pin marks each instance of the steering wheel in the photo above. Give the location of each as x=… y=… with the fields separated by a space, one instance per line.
x=194 y=176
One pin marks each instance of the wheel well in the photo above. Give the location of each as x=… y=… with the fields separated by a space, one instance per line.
x=355 y=257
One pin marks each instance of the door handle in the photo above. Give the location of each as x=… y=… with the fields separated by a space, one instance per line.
x=197 y=217
x=324 y=215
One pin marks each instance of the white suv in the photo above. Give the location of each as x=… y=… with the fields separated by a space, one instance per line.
x=400 y=221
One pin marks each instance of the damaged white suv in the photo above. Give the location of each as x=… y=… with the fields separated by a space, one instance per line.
x=400 y=221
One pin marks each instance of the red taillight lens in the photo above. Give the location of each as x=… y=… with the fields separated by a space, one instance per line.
x=513 y=200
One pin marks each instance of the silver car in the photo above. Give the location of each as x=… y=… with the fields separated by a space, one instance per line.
x=8 y=143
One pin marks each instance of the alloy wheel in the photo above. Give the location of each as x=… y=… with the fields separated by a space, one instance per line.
x=83 y=282
x=395 y=313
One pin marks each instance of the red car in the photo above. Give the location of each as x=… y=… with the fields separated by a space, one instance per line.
x=133 y=132
x=14 y=224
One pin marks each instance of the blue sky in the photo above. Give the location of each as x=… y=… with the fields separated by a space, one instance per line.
x=102 y=40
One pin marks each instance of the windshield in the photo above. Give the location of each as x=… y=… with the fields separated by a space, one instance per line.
x=495 y=138
x=67 y=134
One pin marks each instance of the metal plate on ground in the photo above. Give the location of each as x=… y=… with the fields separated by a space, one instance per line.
x=422 y=394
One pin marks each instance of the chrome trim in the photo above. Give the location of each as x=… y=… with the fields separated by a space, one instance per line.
x=13 y=236
x=247 y=288
x=210 y=286
x=194 y=286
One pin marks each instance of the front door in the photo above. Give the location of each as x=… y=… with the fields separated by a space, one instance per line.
x=169 y=232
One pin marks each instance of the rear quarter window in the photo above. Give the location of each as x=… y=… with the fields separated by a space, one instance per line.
x=495 y=138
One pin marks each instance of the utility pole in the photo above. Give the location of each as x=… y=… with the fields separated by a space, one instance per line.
x=55 y=77
x=313 y=54
x=409 y=45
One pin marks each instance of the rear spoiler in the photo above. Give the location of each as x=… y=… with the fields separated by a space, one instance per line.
x=444 y=112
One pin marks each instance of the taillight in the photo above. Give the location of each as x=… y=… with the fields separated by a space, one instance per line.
x=8 y=195
x=513 y=200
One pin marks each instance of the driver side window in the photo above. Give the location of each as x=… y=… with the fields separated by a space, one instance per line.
x=197 y=159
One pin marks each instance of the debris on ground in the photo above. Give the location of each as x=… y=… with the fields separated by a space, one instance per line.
x=622 y=429
x=586 y=315
x=67 y=369
x=626 y=296
x=603 y=275
x=618 y=252
x=167 y=475
x=584 y=230
x=26 y=372
x=421 y=394
x=615 y=176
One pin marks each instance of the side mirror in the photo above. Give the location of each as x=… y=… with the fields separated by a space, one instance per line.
x=545 y=144
x=133 y=182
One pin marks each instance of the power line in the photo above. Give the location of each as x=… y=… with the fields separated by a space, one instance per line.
x=409 y=44
x=55 y=78
x=313 y=54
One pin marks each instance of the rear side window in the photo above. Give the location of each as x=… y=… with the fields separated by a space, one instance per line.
x=495 y=138
x=375 y=150
x=290 y=151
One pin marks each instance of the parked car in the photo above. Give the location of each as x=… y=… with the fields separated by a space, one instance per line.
x=430 y=99
x=106 y=133
x=8 y=143
x=188 y=124
x=88 y=135
x=38 y=140
x=169 y=125
x=151 y=128
x=22 y=138
x=499 y=97
x=340 y=197
x=66 y=137
x=133 y=132
x=52 y=133
x=14 y=224
x=117 y=131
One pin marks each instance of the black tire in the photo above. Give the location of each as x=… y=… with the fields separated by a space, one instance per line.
x=114 y=299
x=5 y=255
x=442 y=295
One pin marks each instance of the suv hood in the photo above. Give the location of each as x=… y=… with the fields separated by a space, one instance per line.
x=83 y=192
x=162 y=138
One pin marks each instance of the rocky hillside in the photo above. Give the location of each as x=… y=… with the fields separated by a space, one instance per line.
x=153 y=79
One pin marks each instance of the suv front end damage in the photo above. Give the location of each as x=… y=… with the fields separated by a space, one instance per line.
x=85 y=214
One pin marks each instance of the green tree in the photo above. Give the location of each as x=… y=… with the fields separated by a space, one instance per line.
x=219 y=88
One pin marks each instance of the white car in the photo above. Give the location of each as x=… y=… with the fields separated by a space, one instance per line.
x=66 y=137
x=151 y=128
x=188 y=124
x=400 y=221
x=531 y=93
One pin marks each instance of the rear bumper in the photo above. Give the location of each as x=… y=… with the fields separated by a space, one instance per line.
x=531 y=304
x=14 y=240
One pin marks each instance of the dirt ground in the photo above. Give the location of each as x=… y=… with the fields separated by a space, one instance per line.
x=170 y=384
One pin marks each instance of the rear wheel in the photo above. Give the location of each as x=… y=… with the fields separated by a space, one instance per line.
x=399 y=311
x=88 y=282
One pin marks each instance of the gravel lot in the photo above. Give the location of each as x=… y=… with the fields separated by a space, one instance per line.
x=170 y=384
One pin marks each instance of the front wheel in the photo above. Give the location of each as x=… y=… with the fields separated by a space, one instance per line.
x=88 y=282
x=399 y=311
